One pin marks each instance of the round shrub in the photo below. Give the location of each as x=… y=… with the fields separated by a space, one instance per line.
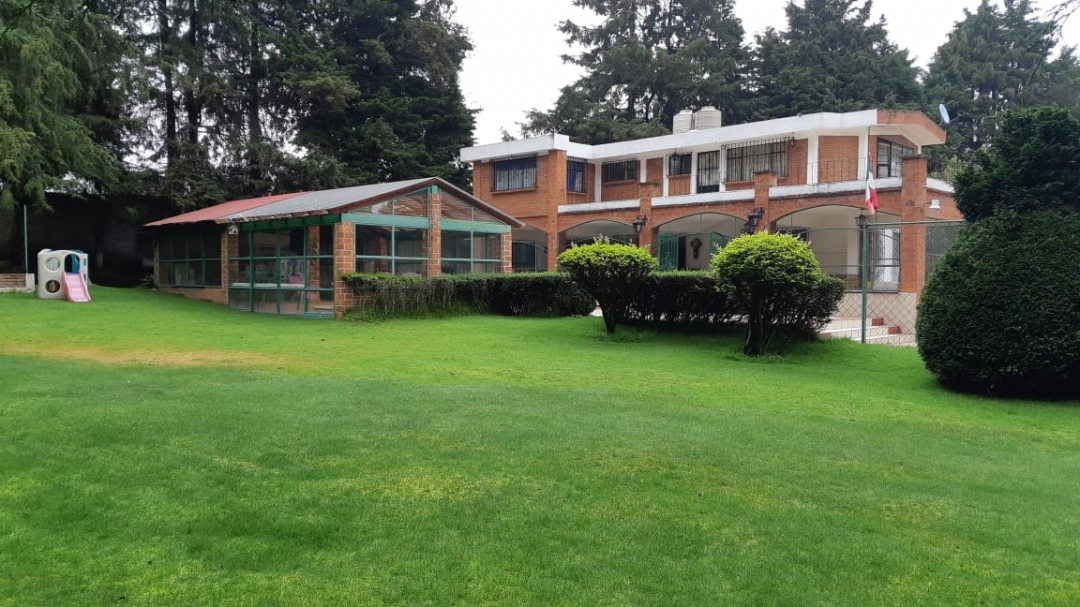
x=778 y=285
x=612 y=273
x=1001 y=313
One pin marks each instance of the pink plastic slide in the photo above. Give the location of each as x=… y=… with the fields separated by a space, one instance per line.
x=75 y=287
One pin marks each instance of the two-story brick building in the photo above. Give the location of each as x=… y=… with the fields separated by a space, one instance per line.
x=686 y=193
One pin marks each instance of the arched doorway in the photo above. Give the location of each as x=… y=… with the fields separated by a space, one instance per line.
x=688 y=243
x=835 y=238
x=585 y=233
x=529 y=249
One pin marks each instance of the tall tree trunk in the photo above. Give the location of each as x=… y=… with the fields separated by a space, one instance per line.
x=192 y=103
x=165 y=56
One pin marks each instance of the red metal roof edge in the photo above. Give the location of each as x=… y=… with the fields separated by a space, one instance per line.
x=222 y=210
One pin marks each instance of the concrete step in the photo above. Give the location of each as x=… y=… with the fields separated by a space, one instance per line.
x=877 y=332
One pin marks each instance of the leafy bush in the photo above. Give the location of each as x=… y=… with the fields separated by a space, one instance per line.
x=682 y=300
x=540 y=294
x=1033 y=164
x=548 y=294
x=778 y=284
x=611 y=273
x=1001 y=313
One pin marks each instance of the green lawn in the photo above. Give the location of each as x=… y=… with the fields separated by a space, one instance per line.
x=162 y=451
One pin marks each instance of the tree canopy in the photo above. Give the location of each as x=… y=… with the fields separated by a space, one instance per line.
x=831 y=58
x=648 y=60
x=994 y=60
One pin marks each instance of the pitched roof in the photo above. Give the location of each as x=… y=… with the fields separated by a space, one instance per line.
x=221 y=210
x=325 y=202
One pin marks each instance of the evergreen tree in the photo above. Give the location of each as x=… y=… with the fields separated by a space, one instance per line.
x=648 y=60
x=831 y=59
x=996 y=60
x=45 y=145
x=377 y=91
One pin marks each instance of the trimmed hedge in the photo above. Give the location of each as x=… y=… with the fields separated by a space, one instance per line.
x=1001 y=313
x=683 y=300
x=544 y=294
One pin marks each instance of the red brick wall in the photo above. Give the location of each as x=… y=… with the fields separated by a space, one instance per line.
x=838 y=159
x=344 y=262
x=679 y=185
x=619 y=190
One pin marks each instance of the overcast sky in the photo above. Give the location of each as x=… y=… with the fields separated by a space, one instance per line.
x=515 y=65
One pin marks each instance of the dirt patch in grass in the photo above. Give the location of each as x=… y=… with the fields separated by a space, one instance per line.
x=163 y=358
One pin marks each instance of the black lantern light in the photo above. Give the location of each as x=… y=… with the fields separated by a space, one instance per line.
x=753 y=218
x=639 y=223
x=861 y=220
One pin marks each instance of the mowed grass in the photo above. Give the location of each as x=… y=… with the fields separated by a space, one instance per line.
x=162 y=451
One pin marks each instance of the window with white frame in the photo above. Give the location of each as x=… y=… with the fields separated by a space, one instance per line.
x=513 y=174
x=746 y=159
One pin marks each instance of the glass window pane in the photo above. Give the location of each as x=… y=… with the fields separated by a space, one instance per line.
x=412 y=206
x=245 y=244
x=454 y=208
x=456 y=245
x=410 y=242
x=373 y=266
x=372 y=240
x=240 y=299
x=487 y=246
x=487 y=268
x=264 y=244
x=292 y=242
x=455 y=267
x=410 y=268
x=213 y=273
x=326 y=240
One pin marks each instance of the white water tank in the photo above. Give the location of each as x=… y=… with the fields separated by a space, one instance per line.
x=707 y=117
x=683 y=122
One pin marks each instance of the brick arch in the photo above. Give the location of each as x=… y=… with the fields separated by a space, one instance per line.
x=685 y=226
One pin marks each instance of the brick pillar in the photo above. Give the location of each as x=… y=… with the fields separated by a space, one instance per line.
x=434 y=252
x=649 y=190
x=551 y=187
x=344 y=263
x=762 y=182
x=913 y=201
x=506 y=241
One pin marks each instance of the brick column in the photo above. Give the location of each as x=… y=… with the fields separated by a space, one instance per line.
x=434 y=252
x=506 y=241
x=344 y=262
x=762 y=182
x=551 y=186
x=649 y=190
x=913 y=200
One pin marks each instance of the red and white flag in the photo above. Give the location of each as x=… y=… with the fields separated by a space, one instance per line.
x=871 y=191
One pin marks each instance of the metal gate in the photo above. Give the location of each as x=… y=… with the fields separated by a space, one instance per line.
x=668 y=252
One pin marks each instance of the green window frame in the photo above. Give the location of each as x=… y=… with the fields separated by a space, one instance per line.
x=190 y=260
x=398 y=250
x=471 y=252
x=284 y=270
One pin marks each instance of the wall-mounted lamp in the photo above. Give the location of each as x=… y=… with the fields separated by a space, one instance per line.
x=861 y=220
x=639 y=223
x=753 y=218
x=233 y=230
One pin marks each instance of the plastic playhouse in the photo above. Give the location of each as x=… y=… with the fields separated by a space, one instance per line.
x=63 y=273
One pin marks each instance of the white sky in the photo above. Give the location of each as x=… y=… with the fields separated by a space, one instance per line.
x=516 y=67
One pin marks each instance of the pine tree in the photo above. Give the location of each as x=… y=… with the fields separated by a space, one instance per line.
x=648 y=60
x=996 y=60
x=831 y=59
